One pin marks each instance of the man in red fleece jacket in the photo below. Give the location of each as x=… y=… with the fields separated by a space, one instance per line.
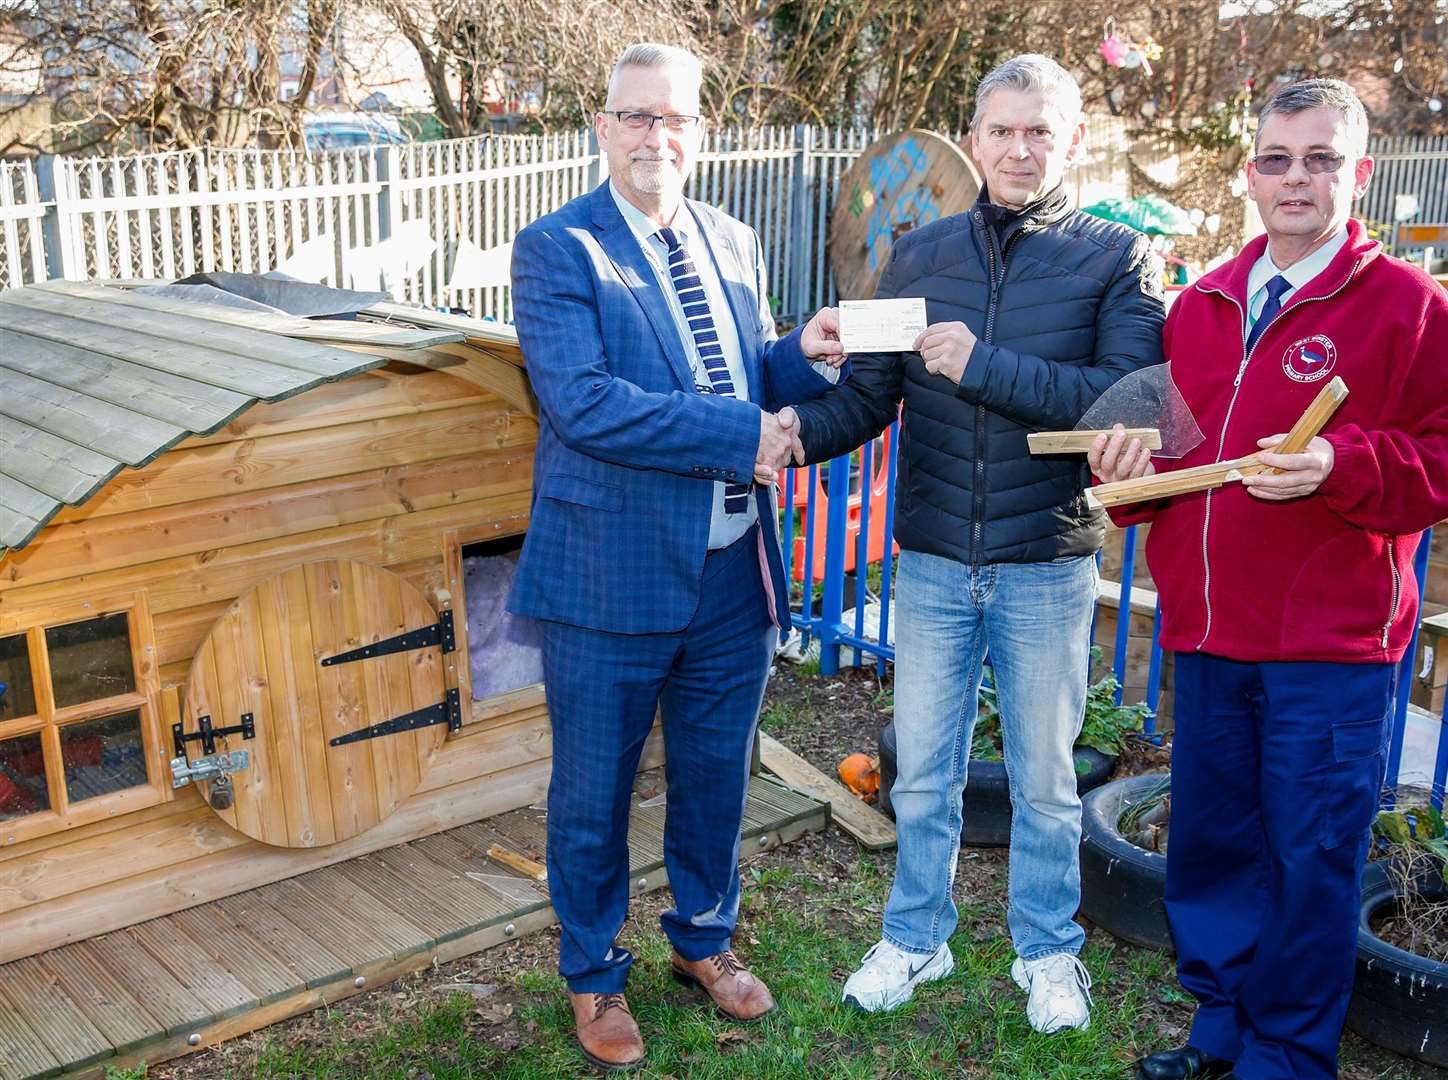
x=1289 y=598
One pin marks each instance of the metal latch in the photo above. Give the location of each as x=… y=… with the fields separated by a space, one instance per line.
x=205 y=769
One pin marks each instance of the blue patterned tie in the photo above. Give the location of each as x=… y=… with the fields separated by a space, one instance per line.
x=1275 y=288
x=706 y=339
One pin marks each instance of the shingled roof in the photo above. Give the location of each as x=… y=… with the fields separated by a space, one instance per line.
x=95 y=379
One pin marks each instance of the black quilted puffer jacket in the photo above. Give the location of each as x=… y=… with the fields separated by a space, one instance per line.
x=1063 y=304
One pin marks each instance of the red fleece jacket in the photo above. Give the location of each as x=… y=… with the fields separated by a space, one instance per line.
x=1329 y=576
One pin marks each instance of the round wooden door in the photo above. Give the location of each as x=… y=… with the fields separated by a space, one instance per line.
x=900 y=182
x=280 y=654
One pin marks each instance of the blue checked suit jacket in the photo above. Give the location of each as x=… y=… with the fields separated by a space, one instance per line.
x=628 y=450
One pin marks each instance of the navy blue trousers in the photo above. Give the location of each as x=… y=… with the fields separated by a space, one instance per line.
x=707 y=682
x=1276 y=776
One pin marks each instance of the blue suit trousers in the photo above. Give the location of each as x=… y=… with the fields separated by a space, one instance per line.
x=1276 y=775
x=603 y=689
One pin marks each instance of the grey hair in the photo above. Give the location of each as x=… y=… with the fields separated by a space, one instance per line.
x=649 y=54
x=1322 y=94
x=1032 y=73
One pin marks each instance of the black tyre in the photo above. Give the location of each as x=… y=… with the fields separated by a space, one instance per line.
x=987 y=802
x=1399 y=999
x=1122 y=886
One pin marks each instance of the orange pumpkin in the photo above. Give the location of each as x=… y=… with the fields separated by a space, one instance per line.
x=861 y=774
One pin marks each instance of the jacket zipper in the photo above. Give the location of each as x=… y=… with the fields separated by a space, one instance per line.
x=1227 y=420
x=1397 y=589
x=977 y=544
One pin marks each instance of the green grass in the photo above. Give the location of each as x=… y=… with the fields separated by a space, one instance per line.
x=806 y=928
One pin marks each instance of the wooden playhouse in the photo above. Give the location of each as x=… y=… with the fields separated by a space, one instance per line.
x=246 y=766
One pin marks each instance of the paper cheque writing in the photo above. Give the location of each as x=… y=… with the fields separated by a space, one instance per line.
x=881 y=325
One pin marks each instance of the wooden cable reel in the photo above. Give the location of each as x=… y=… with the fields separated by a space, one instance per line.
x=900 y=182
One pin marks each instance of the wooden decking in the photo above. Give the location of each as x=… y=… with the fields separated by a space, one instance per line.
x=175 y=984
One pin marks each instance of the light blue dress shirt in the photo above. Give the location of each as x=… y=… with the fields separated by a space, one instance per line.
x=1297 y=275
x=724 y=528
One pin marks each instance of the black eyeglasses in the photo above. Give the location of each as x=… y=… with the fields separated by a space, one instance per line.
x=1316 y=162
x=643 y=121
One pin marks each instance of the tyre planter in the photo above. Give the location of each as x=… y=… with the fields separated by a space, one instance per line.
x=1122 y=886
x=1399 y=999
x=987 y=800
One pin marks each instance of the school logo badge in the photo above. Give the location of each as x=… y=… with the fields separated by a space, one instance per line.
x=1310 y=359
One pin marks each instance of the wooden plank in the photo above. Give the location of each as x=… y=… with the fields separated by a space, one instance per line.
x=1216 y=474
x=66 y=472
x=399 y=894
x=120 y=433
x=339 y=891
x=292 y=326
x=525 y=866
x=215 y=989
x=173 y=399
x=174 y=1007
x=226 y=945
x=46 y=1006
x=862 y=821
x=310 y=962
x=118 y=1016
x=189 y=358
x=497 y=334
x=458 y=895
x=396 y=390
x=258 y=354
x=477 y=366
x=347 y=922
x=1078 y=442
x=22 y=1055
x=25 y=511
x=231 y=469
x=225 y=573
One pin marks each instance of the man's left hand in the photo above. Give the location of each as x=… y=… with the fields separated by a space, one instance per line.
x=1301 y=474
x=945 y=347
x=821 y=337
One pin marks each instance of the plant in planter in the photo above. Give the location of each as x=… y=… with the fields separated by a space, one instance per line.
x=987 y=807
x=1400 y=993
x=1124 y=826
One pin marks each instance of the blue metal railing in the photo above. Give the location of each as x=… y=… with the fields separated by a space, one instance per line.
x=827 y=623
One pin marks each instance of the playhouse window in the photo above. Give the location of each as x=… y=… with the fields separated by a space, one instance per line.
x=76 y=725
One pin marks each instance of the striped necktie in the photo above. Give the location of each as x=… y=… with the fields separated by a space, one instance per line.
x=706 y=339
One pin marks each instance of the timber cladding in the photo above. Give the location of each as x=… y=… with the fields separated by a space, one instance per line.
x=387 y=467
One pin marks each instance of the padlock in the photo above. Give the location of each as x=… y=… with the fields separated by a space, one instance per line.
x=220 y=794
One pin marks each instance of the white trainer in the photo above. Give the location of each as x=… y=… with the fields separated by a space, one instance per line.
x=887 y=976
x=1060 y=991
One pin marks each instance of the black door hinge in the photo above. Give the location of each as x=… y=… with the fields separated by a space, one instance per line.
x=449 y=711
x=439 y=633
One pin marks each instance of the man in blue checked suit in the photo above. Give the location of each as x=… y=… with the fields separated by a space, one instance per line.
x=652 y=558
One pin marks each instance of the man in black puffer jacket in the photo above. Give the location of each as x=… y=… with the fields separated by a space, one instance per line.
x=1034 y=310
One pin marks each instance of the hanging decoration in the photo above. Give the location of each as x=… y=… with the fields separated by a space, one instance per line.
x=1123 y=52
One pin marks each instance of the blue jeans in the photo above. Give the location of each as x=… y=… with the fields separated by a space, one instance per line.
x=1035 y=618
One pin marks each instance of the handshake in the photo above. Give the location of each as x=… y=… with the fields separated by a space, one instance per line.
x=778 y=444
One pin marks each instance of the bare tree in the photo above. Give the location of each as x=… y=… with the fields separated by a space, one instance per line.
x=163 y=73
x=552 y=55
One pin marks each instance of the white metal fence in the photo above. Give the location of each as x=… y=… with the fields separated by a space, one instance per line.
x=432 y=221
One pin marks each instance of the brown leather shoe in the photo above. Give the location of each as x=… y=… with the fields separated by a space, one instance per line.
x=606 y=1031
x=736 y=992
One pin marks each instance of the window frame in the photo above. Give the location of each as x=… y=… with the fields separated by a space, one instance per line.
x=47 y=720
x=499 y=708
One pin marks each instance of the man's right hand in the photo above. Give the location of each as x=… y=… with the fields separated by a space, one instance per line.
x=1115 y=457
x=778 y=444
